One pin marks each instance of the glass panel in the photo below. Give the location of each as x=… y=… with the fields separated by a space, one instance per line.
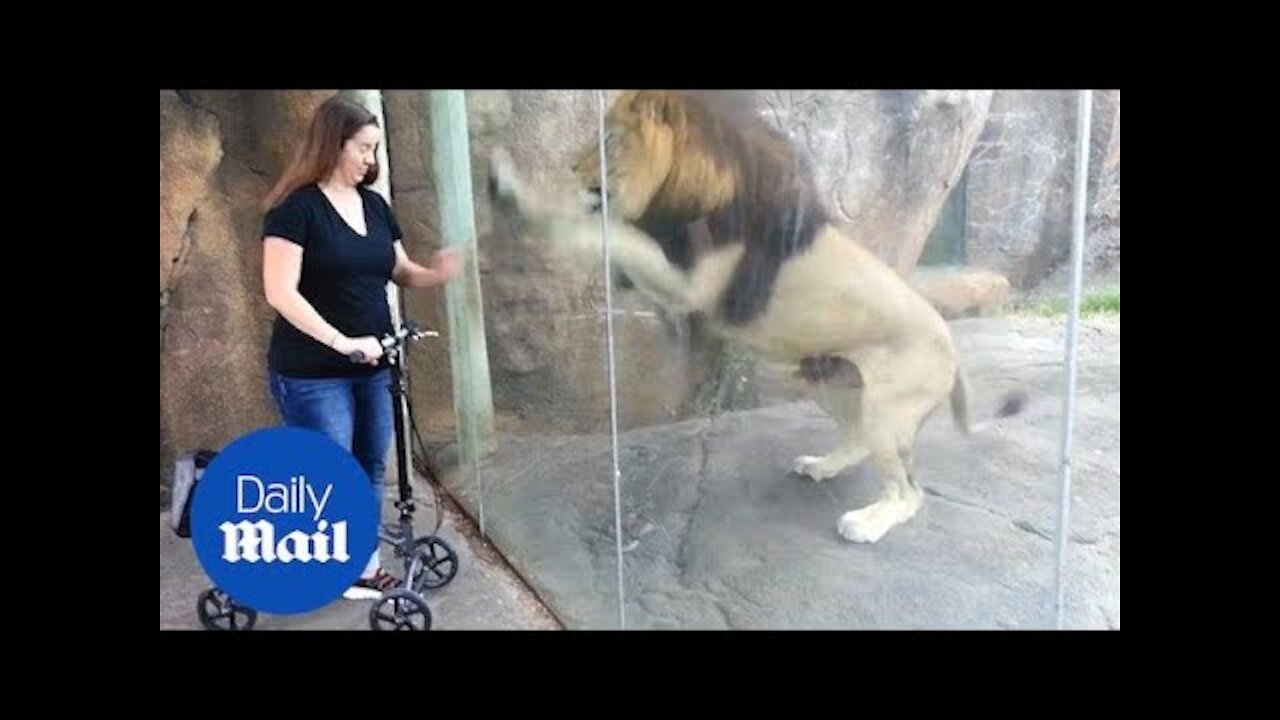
x=544 y=481
x=805 y=470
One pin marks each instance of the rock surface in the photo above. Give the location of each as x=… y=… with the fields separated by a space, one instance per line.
x=219 y=151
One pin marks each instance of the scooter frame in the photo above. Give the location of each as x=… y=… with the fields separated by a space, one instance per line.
x=429 y=563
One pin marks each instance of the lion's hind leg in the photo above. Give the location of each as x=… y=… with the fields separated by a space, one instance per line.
x=838 y=387
x=902 y=389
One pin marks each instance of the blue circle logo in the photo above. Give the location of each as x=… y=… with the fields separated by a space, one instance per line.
x=284 y=520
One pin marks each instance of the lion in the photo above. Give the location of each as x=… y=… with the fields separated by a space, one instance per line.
x=710 y=212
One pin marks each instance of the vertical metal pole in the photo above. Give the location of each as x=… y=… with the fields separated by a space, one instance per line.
x=613 y=385
x=1079 y=208
x=371 y=100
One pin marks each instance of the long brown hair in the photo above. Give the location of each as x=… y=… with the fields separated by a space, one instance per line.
x=334 y=122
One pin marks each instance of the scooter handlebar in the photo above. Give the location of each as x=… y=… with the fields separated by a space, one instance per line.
x=407 y=331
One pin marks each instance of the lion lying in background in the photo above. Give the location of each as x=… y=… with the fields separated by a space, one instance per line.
x=772 y=273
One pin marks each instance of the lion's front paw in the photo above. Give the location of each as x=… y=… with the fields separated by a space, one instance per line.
x=866 y=525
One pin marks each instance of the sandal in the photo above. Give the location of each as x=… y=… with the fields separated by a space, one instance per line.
x=371 y=587
x=381 y=581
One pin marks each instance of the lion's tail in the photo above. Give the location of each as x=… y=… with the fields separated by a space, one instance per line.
x=1012 y=403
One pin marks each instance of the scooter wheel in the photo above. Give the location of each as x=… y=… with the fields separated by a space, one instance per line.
x=438 y=564
x=218 y=611
x=400 y=610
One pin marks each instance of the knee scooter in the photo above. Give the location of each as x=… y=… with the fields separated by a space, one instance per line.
x=429 y=562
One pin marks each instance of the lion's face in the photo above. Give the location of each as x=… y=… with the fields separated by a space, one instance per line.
x=639 y=142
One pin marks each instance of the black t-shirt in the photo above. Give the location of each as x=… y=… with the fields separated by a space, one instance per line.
x=344 y=277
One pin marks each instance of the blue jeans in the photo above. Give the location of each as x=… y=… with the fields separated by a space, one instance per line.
x=355 y=412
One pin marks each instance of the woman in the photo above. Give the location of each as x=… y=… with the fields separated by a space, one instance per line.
x=330 y=244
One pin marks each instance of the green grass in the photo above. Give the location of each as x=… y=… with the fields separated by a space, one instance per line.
x=1098 y=302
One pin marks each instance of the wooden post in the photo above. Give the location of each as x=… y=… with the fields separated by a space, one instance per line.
x=469 y=356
